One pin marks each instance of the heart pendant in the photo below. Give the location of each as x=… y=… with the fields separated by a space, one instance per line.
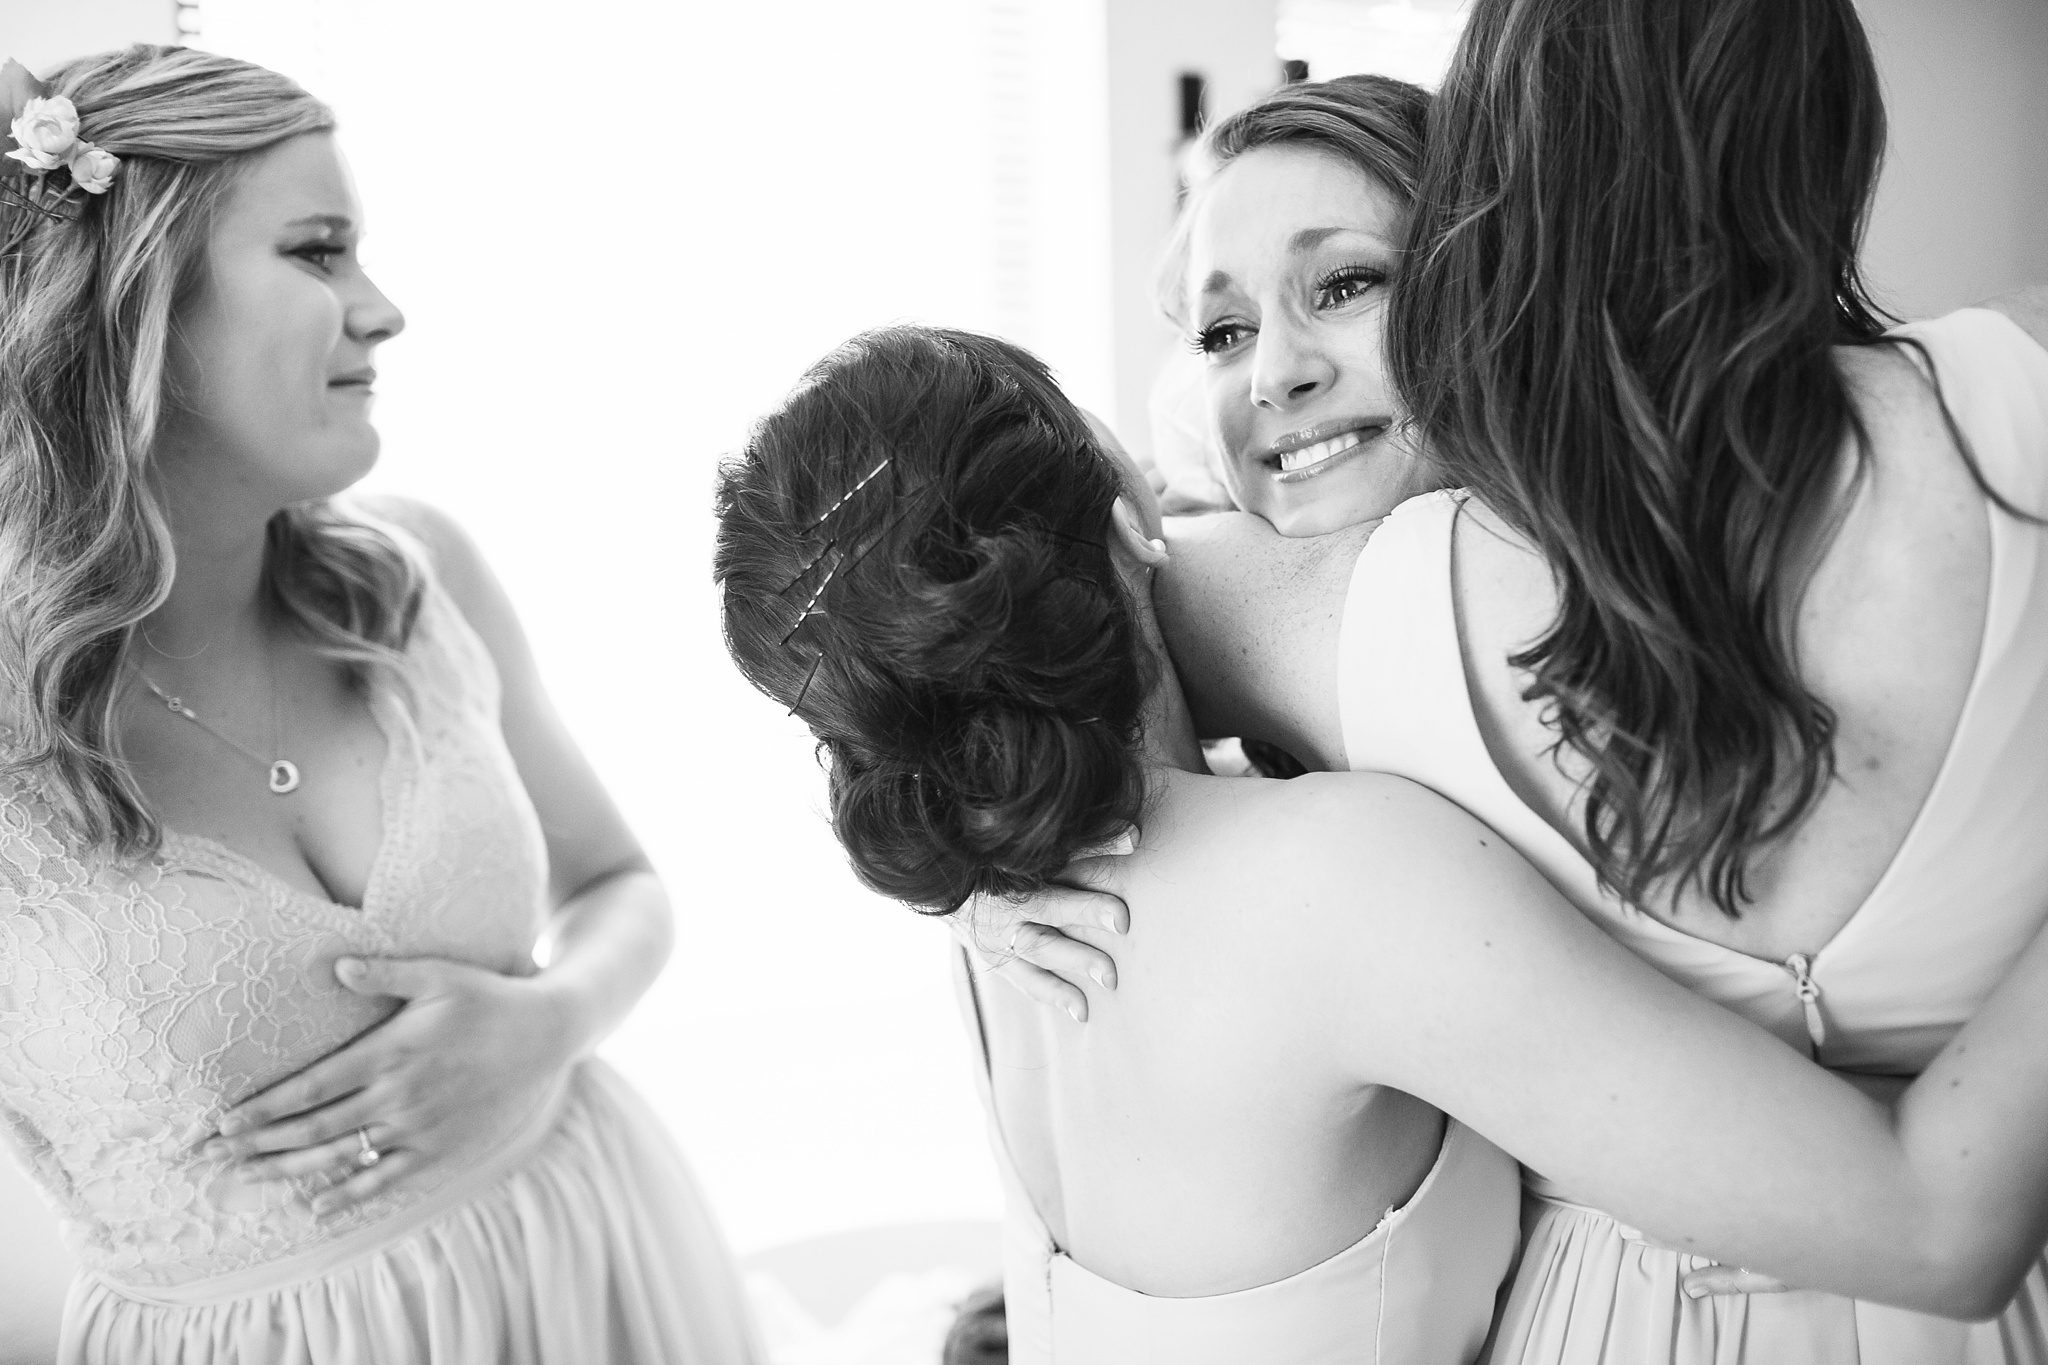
x=284 y=776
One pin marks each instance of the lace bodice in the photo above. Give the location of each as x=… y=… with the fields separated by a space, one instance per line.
x=139 y=1001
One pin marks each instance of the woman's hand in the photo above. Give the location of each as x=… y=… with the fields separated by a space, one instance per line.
x=440 y=1083
x=1025 y=944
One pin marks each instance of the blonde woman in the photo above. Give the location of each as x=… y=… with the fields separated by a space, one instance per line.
x=285 y=807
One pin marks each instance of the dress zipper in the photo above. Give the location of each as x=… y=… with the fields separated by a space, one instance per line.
x=1808 y=991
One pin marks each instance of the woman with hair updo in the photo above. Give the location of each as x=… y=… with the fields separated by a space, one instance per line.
x=285 y=807
x=927 y=554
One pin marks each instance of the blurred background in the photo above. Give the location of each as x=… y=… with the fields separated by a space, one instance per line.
x=620 y=229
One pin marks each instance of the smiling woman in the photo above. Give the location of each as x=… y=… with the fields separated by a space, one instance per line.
x=1279 y=270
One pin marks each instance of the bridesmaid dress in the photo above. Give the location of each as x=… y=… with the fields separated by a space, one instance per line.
x=1966 y=892
x=1418 y=1289
x=139 y=1001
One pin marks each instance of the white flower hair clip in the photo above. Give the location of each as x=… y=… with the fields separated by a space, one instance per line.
x=42 y=139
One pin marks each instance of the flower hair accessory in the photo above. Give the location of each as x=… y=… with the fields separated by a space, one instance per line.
x=42 y=141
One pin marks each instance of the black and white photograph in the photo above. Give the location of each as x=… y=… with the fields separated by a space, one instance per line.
x=1024 y=682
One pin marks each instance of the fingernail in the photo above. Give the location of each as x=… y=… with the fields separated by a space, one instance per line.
x=1693 y=1291
x=217 y=1151
x=1103 y=978
x=348 y=968
x=232 y=1124
x=1111 y=923
x=322 y=1206
x=1076 y=1011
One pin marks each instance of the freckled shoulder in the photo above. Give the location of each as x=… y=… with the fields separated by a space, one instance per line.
x=1252 y=619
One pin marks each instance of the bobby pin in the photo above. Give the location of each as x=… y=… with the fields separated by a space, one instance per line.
x=808 y=569
x=811 y=605
x=845 y=561
x=32 y=200
x=865 y=480
x=804 y=691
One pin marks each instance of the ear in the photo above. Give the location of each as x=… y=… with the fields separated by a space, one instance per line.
x=1131 y=537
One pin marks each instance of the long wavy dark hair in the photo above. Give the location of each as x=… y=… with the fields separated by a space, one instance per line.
x=1637 y=230
x=913 y=555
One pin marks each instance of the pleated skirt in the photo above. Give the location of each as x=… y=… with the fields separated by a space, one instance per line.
x=1590 y=1291
x=594 y=1248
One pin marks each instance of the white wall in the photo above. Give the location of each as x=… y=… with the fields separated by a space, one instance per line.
x=1151 y=42
x=1962 y=210
x=37 y=33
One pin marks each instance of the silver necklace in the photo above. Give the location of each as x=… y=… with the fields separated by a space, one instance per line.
x=284 y=774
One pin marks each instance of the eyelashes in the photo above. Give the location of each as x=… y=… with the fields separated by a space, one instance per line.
x=1210 y=340
x=320 y=255
x=1356 y=278
x=1334 y=289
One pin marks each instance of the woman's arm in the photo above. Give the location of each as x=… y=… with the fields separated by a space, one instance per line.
x=612 y=929
x=1455 y=972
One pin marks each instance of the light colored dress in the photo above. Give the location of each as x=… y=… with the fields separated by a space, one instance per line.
x=138 y=1002
x=1416 y=1290
x=1963 y=897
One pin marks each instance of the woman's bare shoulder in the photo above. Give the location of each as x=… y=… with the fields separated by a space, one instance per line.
x=1252 y=619
x=1328 y=841
x=457 y=564
x=460 y=568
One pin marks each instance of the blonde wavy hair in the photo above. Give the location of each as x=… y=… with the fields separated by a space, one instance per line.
x=87 y=312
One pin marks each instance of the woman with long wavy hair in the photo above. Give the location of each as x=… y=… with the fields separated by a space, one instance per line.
x=285 y=806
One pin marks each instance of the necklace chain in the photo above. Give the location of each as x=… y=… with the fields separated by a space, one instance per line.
x=283 y=773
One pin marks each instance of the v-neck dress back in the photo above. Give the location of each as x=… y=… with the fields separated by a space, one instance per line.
x=1965 y=894
x=140 y=1000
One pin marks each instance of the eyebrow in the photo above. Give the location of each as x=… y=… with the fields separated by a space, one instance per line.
x=333 y=222
x=1308 y=239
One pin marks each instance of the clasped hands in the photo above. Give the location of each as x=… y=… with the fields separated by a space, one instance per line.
x=463 y=1062
x=1028 y=944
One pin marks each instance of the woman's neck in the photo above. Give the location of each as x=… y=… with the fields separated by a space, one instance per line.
x=1168 y=739
x=215 y=608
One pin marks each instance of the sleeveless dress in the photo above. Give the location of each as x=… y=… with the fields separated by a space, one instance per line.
x=139 y=1001
x=1965 y=894
x=1418 y=1289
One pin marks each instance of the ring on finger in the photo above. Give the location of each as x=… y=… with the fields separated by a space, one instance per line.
x=366 y=1154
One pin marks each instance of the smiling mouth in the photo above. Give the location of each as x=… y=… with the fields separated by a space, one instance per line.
x=1307 y=461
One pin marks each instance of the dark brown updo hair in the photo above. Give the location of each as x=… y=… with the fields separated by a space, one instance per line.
x=913 y=553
